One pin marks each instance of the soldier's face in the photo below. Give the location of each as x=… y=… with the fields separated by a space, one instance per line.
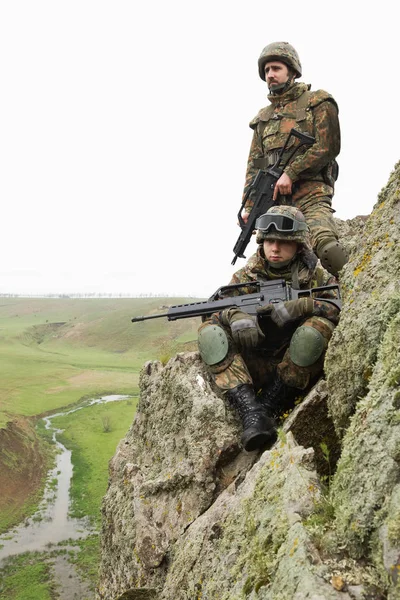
x=276 y=73
x=277 y=251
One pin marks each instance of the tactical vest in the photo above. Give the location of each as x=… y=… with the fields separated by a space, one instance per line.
x=273 y=127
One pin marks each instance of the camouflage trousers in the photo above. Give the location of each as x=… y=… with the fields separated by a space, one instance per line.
x=260 y=365
x=314 y=199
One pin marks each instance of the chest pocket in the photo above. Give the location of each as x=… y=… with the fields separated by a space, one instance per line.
x=274 y=127
x=304 y=121
x=275 y=132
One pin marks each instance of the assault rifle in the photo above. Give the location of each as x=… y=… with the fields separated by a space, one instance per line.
x=262 y=191
x=268 y=292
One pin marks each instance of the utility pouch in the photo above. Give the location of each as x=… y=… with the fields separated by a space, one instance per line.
x=330 y=173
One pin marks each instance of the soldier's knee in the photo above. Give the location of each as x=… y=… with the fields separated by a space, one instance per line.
x=306 y=346
x=333 y=256
x=310 y=341
x=304 y=359
x=213 y=344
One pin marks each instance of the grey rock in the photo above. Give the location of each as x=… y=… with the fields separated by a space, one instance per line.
x=177 y=515
x=363 y=378
x=180 y=452
x=138 y=594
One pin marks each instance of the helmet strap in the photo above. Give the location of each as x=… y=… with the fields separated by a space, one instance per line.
x=281 y=88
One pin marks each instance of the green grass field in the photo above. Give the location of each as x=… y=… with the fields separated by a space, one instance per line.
x=92 y=447
x=27 y=577
x=54 y=351
x=53 y=354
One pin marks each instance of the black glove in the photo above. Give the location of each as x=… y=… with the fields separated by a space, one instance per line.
x=282 y=313
x=244 y=328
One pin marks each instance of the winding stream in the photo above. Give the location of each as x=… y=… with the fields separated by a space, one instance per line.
x=51 y=523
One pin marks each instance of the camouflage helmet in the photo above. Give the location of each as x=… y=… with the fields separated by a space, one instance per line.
x=283 y=222
x=282 y=52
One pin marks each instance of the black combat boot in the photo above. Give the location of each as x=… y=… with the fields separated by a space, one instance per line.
x=277 y=397
x=258 y=429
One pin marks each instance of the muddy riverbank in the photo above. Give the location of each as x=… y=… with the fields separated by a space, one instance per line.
x=23 y=467
x=51 y=526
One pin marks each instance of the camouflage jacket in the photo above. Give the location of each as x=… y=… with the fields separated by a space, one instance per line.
x=310 y=273
x=315 y=113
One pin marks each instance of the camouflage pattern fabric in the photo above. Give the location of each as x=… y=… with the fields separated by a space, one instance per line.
x=311 y=169
x=300 y=235
x=318 y=212
x=309 y=270
x=258 y=366
x=281 y=51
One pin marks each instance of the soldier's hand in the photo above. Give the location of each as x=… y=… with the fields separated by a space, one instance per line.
x=245 y=330
x=245 y=216
x=283 y=186
x=285 y=312
x=264 y=311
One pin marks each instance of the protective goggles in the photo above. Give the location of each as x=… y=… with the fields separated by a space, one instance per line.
x=280 y=223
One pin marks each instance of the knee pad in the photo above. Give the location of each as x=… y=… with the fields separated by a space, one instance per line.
x=213 y=344
x=306 y=346
x=332 y=256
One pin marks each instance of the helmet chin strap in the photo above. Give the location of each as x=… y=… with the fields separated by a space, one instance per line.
x=281 y=88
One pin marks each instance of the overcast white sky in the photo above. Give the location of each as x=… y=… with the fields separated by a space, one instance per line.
x=124 y=131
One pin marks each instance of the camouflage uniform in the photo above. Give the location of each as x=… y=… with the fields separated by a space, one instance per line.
x=313 y=170
x=310 y=171
x=258 y=366
x=281 y=349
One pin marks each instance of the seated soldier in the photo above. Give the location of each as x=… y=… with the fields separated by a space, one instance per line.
x=280 y=352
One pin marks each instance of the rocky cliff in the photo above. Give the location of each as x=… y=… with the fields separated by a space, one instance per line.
x=188 y=515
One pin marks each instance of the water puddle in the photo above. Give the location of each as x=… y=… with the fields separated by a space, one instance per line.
x=69 y=584
x=51 y=523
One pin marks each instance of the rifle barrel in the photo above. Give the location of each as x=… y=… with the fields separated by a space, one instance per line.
x=145 y=318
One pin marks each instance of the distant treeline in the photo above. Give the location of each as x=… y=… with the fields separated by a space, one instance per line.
x=93 y=295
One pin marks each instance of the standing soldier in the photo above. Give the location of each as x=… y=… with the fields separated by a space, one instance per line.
x=281 y=352
x=310 y=176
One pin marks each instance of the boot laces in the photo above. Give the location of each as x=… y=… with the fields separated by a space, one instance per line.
x=249 y=412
